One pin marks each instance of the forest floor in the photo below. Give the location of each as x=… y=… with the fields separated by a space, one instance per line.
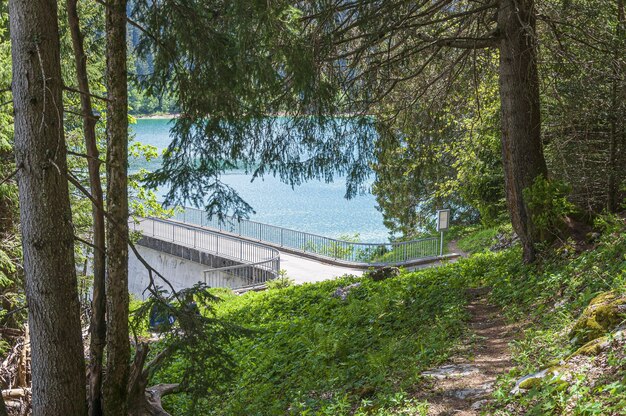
x=463 y=386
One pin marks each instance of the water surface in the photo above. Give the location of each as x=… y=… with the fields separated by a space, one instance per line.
x=316 y=207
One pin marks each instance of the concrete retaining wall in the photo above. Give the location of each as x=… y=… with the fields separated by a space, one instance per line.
x=182 y=266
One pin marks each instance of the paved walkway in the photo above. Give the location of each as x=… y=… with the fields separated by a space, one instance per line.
x=303 y=269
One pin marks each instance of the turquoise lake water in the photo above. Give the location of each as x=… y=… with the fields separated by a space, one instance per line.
x=314 y=207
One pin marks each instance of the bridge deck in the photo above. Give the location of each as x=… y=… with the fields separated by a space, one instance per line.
x=303 y=269
x=300 y=265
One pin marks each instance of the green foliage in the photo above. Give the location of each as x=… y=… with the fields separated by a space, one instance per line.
x=313 y=353
x=6 y=116
x=196 y=346
x=12 y=304
x=477 y=239
x=548 y=298
x=547 y=200
x=442 y=156
x=583 y=69
x=245 y=80
x=281 y=282
x=475 y=152
x=334 y=249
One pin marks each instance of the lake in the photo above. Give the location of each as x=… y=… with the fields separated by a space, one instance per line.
x=315 y=207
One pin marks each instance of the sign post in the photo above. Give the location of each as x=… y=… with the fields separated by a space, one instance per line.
x=443 y=223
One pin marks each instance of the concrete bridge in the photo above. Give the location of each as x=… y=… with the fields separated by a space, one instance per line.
x=191 y=248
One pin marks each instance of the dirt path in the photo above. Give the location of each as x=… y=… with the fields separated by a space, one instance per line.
x=464 y=386
x=453 y=247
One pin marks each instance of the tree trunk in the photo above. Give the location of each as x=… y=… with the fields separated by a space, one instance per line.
x=97 y=328
x=3 y=407
x=58 y=366
x=617 y=131
x=522 y=152
x=118 y=346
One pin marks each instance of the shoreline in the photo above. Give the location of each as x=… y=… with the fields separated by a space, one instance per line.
x=164 y=116
x=167 y=116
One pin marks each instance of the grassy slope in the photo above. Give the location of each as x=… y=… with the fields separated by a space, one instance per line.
x=315 y=354
x=547 y=299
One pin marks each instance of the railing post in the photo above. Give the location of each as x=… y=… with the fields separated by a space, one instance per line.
x=281 y=237
x=441 y=246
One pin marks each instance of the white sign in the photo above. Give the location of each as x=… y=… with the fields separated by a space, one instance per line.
x=443 y=219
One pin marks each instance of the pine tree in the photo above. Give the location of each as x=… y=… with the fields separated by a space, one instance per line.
x=58 y=366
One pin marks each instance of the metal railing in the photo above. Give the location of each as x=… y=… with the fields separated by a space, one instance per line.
x=256 y=263
x=397 y=253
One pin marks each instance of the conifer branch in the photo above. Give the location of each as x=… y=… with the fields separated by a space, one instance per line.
x=76 y=90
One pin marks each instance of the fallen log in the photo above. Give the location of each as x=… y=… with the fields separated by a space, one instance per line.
x=154 y=394
x=23 y=367
x=11 y=332
x=12 y=394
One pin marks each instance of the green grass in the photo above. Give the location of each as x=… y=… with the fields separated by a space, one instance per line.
x=548 y=298
x=312 y=353
x=475 y=240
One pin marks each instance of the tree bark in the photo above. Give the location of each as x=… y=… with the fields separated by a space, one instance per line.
x=617 y=131
x=3 y=407
x=118 y=346
x=58 y=366
x=522 y=151
x=97 y=327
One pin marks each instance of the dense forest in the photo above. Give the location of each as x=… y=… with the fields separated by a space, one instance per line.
x=512 y=113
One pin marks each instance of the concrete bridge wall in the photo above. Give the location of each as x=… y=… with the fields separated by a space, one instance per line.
x=182 y=266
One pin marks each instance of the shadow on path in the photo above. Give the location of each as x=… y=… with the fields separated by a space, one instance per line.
x=464 y=386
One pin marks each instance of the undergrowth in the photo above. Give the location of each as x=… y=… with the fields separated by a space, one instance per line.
x=546 y=300
x=314 y=353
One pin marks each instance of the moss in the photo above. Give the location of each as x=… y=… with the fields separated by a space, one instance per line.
x=605 y=297
x=552 y=365
x=531 y=383
x=604 y=313
x=535 y=381
x=593 y=347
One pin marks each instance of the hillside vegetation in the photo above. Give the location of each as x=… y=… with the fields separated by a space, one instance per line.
x=313 y=352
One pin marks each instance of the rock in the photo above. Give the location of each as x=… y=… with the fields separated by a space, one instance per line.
x=604 y=313
x=593 y=347
x=453 y=370
x=593 y=236
x=366 y=391
x=535 y=380
x=504 y=241
x=472 y=393
x=476 y=406
x=343 y=292
x=529 y=381
x=383 y=273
